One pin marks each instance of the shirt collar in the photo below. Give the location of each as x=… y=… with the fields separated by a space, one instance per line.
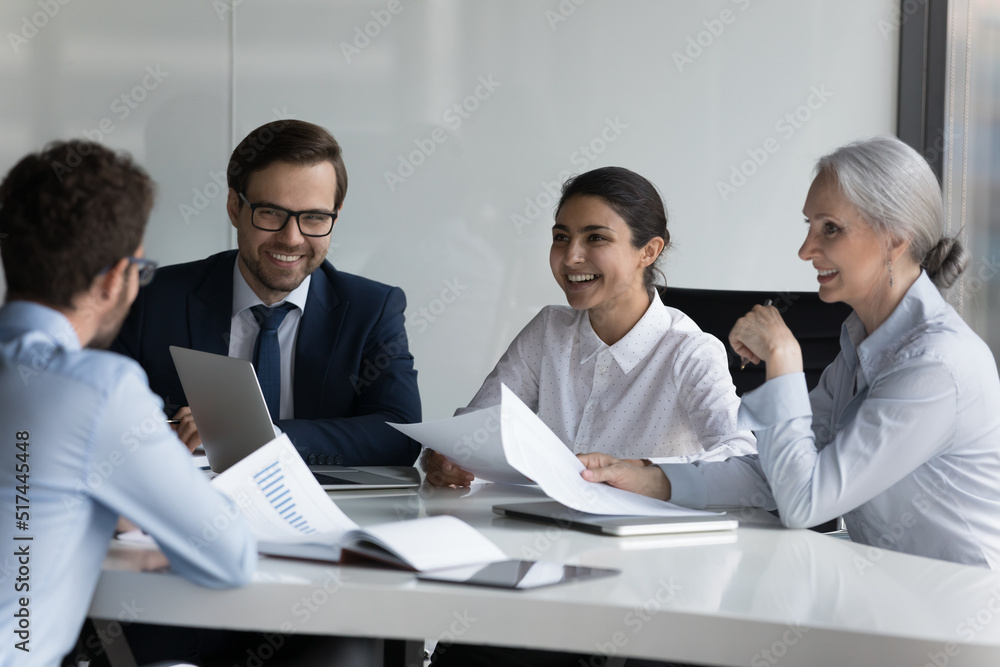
x=921 y=304
x=636 y=344
x=31 y=316
x=244 y=297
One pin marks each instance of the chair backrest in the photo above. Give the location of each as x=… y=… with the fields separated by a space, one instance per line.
x=816 y=325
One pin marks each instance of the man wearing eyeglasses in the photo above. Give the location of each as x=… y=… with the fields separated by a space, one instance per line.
x=329 y=347
x=84 y=439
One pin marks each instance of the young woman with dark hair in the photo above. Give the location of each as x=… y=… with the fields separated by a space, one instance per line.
x=616 y=371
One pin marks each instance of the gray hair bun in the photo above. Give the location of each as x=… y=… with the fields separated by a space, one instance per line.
x=946 y=261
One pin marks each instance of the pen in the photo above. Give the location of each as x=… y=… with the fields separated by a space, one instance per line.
x=744 y=360
x=173 y=421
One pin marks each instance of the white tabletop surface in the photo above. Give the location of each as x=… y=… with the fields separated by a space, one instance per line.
x=761 y=595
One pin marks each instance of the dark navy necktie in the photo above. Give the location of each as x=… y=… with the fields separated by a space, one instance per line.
x=267 y=354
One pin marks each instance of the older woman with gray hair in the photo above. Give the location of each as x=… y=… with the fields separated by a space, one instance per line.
x=902 y=435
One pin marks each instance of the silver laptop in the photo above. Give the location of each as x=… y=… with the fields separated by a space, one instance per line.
x=550 y=511
x=229 y=409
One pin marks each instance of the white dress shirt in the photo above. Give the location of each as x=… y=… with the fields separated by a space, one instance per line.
x=902 y=437
x=244 y=329
x=664 y=390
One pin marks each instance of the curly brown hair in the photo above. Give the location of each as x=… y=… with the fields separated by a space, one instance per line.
x=66 y=214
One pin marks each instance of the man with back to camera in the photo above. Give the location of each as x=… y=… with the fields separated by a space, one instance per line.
x=84 y=438
x=345 y=366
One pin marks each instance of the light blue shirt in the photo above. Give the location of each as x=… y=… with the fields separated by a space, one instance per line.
x=901 y=436
x=96 y=445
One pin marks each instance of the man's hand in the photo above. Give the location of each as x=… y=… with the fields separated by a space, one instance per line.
x=186 y=430
x=442 y=472
x=628 y=474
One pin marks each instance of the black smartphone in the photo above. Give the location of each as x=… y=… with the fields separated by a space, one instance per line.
x=516 y=574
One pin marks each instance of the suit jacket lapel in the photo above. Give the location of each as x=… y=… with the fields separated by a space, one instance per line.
x=319 y=331
x=209 y=309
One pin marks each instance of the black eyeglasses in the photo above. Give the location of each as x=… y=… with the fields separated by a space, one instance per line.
x=147 y=269
x=270 y=218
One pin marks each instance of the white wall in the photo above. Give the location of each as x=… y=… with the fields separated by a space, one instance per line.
x=466 y=233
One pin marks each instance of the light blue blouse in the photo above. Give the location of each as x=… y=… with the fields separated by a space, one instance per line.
x=901 y=437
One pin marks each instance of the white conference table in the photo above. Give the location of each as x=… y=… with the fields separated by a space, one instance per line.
x=760 y=595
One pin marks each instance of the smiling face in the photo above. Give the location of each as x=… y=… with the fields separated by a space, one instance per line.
x=592 y=257
x=275 y=263
x=850 y=258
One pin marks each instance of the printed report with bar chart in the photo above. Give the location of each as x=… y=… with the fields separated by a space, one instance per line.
x=292 y=516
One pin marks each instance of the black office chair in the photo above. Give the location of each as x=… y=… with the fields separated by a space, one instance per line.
x=816 y=326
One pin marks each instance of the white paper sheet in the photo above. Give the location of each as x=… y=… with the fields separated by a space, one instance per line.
x=434 y=542
x=533 y=449
x=470 y=441
x=281 y=499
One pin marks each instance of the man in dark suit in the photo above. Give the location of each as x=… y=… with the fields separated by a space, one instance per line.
x=345 y=367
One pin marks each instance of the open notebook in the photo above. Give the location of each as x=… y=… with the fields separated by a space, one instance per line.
x=292 y=516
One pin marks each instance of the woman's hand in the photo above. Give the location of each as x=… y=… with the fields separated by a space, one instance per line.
x=439 y=471
x=761 y=335
x=633 y=475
